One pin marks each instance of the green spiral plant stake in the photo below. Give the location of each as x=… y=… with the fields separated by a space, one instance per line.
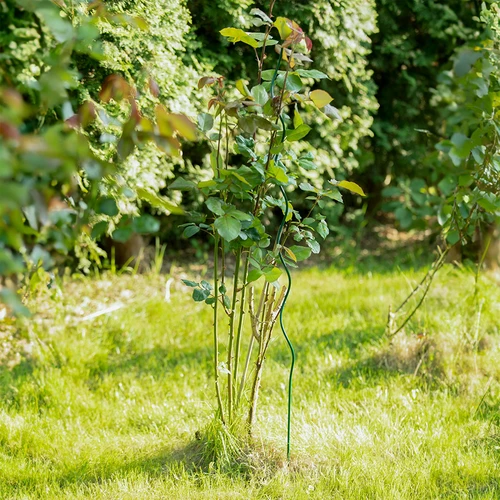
x=254 y=148
x=289 y=287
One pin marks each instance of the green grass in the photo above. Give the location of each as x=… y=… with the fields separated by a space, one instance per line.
x=108 y=408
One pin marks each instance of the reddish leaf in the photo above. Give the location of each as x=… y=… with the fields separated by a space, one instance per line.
x=205 y=80
x=8 y=131
x=154 y=87
x=212 y=102
x=115 y=87
x=73 y=121
x=87 y=113
x=135 y=114
x=13 y=99
x=169 y=145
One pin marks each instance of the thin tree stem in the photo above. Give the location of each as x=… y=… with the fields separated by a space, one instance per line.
x=231 y=337
x=215 y=330
x=241 y=321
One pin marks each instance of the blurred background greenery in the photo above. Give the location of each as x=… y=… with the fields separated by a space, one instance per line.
x=416 y=85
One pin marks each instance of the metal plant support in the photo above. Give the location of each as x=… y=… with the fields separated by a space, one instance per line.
x=287 y=271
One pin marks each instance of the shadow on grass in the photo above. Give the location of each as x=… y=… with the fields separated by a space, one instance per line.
x=175 y=462
x=401 y=356
x=368 y=357
x=158 y=360
x=188 y=462
x=349 y=341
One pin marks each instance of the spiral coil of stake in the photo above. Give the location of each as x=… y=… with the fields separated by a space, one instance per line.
x=287 y=271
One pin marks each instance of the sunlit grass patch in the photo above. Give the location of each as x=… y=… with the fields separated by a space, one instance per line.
x=114 y=406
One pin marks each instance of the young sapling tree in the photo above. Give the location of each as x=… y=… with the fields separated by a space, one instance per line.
x=253 y=133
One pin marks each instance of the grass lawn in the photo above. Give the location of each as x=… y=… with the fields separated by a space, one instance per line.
x=108 y=406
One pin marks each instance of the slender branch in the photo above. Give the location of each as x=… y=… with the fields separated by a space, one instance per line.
x=263 y=51
x=429 y=277
x=231 y=337
x=215 y=330
x=254 y=316
x=241 y=318
x=218 y=148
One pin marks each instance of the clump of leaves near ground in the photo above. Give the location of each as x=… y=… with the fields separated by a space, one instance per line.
x=253 y=130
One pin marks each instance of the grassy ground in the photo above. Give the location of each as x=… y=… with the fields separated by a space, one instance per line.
x=108 y=406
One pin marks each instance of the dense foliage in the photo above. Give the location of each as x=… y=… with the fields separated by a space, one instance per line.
x=340 y=33
x=52 y=172
x=90 y=93
x=460 y=180
x=414 y=40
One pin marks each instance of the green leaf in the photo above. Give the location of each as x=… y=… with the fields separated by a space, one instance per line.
x=283 y=26
x=305 y=186
x=313 y=245
x=465 y=180
x=351 y=186
x=273 y=274
x=453 y=237
x=461 y=149
x=205 y=122
x=334 y=194
x=465 y=60
x=200 y=294
x=252 y=123
x=158 y=201
x=332 y=112
x=238 y=214
x=262 y=15
x=296 y=134
x=239 y=177
x=320 y=98
x=61 y=28
x=215 y=206
x=192 y=284
x=122 y=234
x=254 y=275
x=236 y=35
x=228 y=227
x=206 y=184
x=181 y=184
x=300 y=252
x=489 y=202
x=322 y=229
x=311 y=73
x=99 y=229
x=108 y=206
x=268 y=74
x=145 y=224
x=307 y=164
x=260 y=95
x=404 y=216
x=277 y=173
x=190 y=231
x=294 y=83
x=206 y=285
